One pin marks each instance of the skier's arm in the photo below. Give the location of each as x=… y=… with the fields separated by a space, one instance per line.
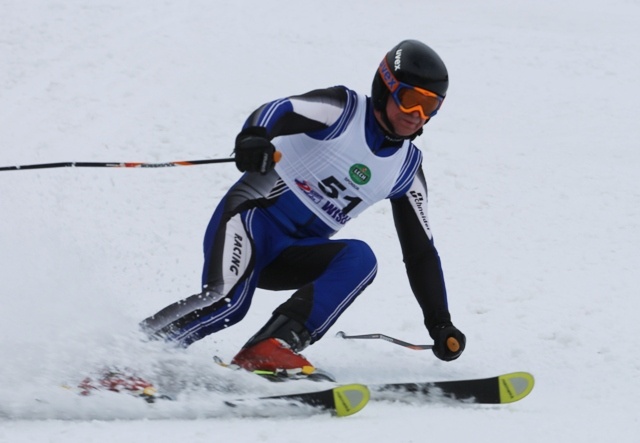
x=424 y=268
x=420 y=255
x=316 y=110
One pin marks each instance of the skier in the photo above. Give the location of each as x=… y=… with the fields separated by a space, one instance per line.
x=311 y=163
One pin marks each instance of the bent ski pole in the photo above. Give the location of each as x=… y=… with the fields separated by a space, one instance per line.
x=276 y=157
x=395 y=341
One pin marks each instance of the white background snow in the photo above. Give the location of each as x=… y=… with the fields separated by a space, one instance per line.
x=534 y=201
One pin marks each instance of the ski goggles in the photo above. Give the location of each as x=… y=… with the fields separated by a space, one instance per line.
x=410 y=98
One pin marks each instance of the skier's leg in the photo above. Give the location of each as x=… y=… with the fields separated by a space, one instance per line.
x=229 y=281
x=337 y=271
x=330 y=274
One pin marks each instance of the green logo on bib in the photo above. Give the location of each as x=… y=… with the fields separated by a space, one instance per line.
x=360 y=174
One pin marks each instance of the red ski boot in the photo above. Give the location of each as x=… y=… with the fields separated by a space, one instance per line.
x=273 y=352
x=273 y=356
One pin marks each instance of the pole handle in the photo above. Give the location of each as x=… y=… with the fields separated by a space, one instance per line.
x=453 y=344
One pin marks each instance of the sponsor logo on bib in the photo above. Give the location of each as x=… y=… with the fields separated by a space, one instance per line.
x=308 y=190
x=360 y=174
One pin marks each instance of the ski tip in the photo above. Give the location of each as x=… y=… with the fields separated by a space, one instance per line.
x=515 y=386
x=350 y=399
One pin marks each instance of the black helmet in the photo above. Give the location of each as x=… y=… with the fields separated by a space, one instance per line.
x=416 y=64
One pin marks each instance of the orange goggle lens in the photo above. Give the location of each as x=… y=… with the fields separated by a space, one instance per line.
x=410 y=99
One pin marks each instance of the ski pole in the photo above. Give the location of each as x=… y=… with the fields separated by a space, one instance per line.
x=113 y=164
x=395 y=341
x=276 y=157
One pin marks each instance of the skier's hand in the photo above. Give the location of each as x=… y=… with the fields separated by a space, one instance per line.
x=448 y=342
x=254 y=151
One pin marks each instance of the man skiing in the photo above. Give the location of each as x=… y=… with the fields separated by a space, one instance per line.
x=312 y=163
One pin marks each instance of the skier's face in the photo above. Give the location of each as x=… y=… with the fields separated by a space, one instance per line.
x=404 y=123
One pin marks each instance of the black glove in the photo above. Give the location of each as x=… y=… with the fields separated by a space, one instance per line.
x=448 y=342
x=254 y=151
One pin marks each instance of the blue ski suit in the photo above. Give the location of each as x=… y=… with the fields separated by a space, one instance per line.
x=273 y=231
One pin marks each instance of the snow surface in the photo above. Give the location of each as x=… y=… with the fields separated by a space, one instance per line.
x=532 y=167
